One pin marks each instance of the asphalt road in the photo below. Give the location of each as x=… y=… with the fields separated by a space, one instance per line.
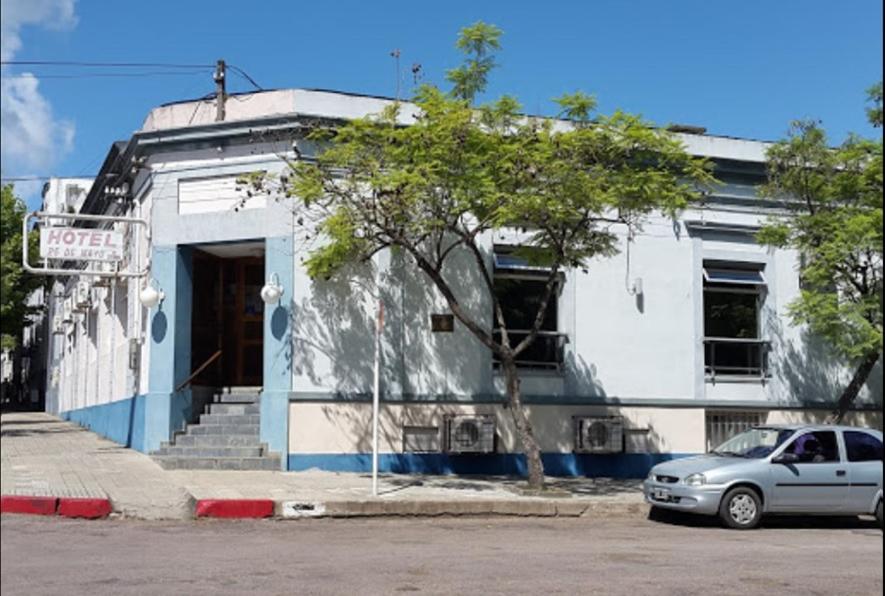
x=438 y=556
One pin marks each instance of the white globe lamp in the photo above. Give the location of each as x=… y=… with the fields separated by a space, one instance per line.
x=151 y=296
x=272 y=290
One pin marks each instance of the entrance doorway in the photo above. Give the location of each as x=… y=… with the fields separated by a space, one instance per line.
x=228 y=316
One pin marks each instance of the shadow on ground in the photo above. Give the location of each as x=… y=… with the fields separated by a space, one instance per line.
x=22 y=428
x=575 y=487
x=773 y=522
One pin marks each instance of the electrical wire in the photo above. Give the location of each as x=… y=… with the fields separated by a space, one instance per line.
x=101 y=64
x=95 y=75
x=243 y=74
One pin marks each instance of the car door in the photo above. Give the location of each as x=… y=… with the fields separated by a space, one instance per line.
x=864 y=453
x=817 y=482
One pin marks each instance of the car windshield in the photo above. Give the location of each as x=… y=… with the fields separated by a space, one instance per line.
x=755 y=443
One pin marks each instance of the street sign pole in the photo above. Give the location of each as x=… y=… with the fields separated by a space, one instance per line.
x=376 y=397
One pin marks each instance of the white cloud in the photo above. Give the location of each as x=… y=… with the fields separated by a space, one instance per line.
x=32 y=136
x=52 y=14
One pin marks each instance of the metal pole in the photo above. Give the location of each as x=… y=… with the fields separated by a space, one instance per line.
x=376 y=397
x=220 y=94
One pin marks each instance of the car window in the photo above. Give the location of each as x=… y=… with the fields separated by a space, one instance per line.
x=815 y=447
x=862 y=446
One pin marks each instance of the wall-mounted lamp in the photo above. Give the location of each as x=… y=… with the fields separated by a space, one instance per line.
x=272 y=290
x=151 y=296
x=635 y=288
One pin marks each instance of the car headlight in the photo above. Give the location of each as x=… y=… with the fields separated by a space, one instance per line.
x=696 y=480
x=651 y=475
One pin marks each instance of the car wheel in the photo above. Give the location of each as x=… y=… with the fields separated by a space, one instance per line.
x=879 y=514
x=741 y=508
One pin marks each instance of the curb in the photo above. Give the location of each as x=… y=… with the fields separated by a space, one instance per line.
x=485 y=507
x=28 y=505
x=234 y=508
x=87 y=508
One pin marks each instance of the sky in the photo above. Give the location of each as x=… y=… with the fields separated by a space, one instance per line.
x=741 y=69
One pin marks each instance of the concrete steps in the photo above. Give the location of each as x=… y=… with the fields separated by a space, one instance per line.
x=226 y=437
x=265 y=462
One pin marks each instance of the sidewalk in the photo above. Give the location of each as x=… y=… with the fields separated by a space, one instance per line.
x=45 y=456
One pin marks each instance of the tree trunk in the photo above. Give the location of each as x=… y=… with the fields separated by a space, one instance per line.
x=846 y=400
x=523 y=426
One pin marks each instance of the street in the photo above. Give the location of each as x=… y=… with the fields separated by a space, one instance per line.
x=439 y=556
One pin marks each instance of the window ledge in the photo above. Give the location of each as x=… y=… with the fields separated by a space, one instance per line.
x=745 y=379
x=533 y=372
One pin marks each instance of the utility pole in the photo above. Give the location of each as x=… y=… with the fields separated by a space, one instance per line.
x=220 y=95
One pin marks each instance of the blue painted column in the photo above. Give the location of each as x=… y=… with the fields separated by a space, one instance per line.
x=166 y=410
x=279 y=259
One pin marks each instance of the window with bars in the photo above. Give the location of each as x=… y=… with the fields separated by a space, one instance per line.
x=723 y=425
x=520 y=286
x=733 y=298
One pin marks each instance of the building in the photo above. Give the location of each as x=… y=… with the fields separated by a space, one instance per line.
x=644 y=361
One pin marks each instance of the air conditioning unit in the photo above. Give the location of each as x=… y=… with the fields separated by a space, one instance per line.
x=82 y=296
x=58 y=325
x=596 y=434
x=470 y=434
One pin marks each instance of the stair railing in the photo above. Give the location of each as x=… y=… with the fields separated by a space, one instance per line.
x=200 y=369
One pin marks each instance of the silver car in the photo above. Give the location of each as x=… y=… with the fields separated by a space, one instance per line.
x=815 y=470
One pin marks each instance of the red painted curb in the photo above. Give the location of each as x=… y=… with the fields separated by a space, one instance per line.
x=84 y=507
x=234 y=508
x=29 y=505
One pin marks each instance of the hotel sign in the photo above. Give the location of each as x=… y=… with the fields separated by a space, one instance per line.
x=79 y=244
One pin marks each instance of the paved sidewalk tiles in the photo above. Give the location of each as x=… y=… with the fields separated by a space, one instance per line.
x=43 y=456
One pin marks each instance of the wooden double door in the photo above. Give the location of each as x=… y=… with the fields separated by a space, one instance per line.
x=228 y=315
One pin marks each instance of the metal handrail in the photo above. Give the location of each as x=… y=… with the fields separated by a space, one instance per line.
x=201 y=368
x=712 y=367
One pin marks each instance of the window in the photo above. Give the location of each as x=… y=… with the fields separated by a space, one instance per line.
x=733 y=297
x=815 y=448
x=862 y=446
x=519 y=289
x=722 y=426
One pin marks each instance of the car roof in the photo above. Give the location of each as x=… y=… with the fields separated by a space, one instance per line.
x=812 y=427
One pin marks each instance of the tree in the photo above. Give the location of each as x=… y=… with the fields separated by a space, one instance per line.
x=440 y=184
x=836 y=225
x=15 y=283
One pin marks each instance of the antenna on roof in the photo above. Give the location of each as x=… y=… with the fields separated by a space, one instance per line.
x=220 y=95
x=395 y=55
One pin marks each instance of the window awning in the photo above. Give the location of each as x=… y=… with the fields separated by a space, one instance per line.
x=744 y=277
x=506 y=259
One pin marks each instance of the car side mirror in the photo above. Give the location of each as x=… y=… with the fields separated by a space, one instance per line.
x=786 y=458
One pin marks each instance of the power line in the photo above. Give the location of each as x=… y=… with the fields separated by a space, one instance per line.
x=102 y=75
x=85 y=64
x=101 y=64
x=243 y=74
x=38 y=178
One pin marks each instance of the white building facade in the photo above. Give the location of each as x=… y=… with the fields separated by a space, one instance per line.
x=655 y=353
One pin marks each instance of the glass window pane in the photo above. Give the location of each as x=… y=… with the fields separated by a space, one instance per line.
x=815 y=447
x=728 y=314
x=862 y=446
x=520 y=300
x=751 y=277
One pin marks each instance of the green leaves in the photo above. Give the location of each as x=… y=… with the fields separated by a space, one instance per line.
x=15 y=283
x=835 y=195
x=477 y=42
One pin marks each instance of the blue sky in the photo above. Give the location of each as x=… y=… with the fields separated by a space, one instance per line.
x=742 y=69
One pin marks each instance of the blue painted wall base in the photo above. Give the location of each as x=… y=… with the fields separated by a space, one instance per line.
x=621 y=465
x=120 y=421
